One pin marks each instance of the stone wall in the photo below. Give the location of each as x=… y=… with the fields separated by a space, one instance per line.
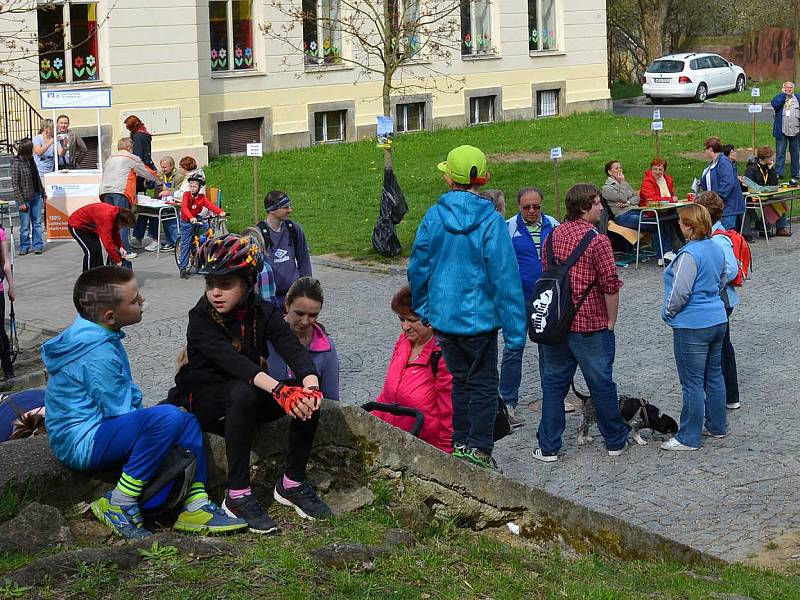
x=765 y=55
x=353 y=448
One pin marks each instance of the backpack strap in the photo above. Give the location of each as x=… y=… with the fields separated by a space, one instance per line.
x=580 y=248
x=435 y=356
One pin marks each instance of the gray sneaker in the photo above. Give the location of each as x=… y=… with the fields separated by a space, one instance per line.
x=513 y=419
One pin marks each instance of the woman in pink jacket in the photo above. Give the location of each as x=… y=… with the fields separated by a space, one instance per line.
x=418 y=378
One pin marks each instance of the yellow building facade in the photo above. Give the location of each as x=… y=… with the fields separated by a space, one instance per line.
x=206 y=77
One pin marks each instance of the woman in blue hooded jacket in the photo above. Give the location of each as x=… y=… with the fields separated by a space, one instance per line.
x=720 y=177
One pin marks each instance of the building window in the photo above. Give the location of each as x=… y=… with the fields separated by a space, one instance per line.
x=410 y=117
x=542 y=25
x=330 y=126
x=547 y=103
x=230 y=25
x=322 y=40
x=233 y=136
x=481 y=110
x=476 y=27
x=67 y=39
x=404 y=18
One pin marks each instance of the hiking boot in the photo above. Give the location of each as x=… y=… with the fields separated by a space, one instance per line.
x=539 y=455
x=303 y=499
x=249 y=509
x=514 y=420
x=208 y=519
x=125 y=521
x=184 y=274
x=482 y=459
x=673 y=444
x=783 y=232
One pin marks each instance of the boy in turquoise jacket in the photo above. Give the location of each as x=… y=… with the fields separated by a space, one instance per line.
x=94 y=415
x=465 y=282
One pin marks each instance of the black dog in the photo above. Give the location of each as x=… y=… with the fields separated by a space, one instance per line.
x=649 y=417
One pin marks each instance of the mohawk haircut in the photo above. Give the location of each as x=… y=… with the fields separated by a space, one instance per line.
x=99 y=289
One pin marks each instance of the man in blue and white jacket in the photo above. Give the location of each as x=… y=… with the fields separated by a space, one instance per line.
x=528 y=229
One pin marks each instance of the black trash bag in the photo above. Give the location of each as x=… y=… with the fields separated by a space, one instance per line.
x=392 y=210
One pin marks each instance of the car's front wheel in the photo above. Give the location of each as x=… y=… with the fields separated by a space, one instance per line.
x=702 y=93
x=740 y=83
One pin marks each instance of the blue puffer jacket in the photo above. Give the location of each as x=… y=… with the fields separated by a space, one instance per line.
x=777 y=106
x=721 y=178
x=90 y=381
x=528 y=259
x=463 y=272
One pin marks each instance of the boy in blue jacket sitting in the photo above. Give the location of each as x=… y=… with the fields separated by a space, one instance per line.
x=94 y=415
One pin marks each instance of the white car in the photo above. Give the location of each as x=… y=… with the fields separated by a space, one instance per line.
x=693 y=75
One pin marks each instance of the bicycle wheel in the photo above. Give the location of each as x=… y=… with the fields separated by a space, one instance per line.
x=178 y=253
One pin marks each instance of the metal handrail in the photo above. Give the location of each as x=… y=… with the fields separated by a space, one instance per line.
x=19 y=118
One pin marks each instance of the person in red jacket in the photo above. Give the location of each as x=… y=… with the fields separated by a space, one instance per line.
x=96 y=226
x=418 y=378
x=192 y=205
x=656 y=184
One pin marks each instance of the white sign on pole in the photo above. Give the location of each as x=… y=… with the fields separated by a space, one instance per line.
x=657 y=125
x=657 y=114
x=555 y=153
x=255 y=149
x=755 y=92
x=754 y=109
x=57 y=99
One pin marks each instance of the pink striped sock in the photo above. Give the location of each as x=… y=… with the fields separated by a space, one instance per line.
x=236 y=494
x=290 y=483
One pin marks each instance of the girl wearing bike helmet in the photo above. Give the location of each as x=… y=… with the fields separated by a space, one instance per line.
x=192 y=205
x=224 y=380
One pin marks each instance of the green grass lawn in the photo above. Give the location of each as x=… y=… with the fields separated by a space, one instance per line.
x=624 y=89
x=768 y=91
x=447 y=562
x=336 y=188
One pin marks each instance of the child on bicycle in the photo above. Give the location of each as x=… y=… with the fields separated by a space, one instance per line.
x=94 y=415
x=224 y=380
x=192 y=205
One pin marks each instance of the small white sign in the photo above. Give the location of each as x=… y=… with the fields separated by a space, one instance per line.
x=255 y=149
x=555 y=153
x=755 y=92
x=657 y=125
x=754 y=109
x=657 y=114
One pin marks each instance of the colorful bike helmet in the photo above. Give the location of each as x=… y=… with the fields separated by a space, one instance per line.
x=230 y=254
x=198 y=177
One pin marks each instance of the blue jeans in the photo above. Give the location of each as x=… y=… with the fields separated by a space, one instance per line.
x=732 y=221
x=120 y=200
x=187 y=231
x=698 y=356
x=631 y=219
x=511 y=369
x=472 y=361
x=150 y=224
x=30 y=224
x=594 y=354
x=793 y=143
x=141 y=439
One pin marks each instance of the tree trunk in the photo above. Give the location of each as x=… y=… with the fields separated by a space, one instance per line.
x=387 y=111
x=653 y=13
x=797 y=41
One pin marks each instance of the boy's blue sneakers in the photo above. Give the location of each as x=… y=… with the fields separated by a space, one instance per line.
x=125 y=521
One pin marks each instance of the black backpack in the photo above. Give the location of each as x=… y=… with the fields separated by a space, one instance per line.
x=293 y=235
x=552 y=309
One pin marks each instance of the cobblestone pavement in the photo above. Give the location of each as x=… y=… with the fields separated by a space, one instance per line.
x=727 y=499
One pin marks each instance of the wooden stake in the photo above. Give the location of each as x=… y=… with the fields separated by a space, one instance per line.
x=658 y=145
x=558 y=189
x=754 y=133
x=255 y=188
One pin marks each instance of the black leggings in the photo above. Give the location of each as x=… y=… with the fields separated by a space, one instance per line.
x=237 y=409
x=5 y=345
x=89 y=242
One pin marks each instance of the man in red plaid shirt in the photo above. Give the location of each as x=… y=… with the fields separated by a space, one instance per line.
x=591 y=342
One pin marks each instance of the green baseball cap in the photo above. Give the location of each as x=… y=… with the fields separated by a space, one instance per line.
x=466 y=165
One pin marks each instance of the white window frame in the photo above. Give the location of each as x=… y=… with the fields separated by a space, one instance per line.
x=402 y=117
x=342 y=126
x=67 y=24
x=539 y=16
x=540 y=101
x=231 y=46
x=473 y=24
x=336 y=36
x=474 y=109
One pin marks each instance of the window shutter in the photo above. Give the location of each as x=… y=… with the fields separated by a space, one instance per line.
x=90 y=160
x=233 y=136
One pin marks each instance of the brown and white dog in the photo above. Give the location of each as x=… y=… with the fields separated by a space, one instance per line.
x=636 y=412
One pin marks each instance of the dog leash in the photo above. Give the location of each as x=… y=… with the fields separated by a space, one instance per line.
x=643 y=413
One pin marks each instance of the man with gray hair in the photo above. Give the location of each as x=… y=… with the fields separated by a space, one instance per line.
x=786 y=129
x=528 y=229
x=118 y=186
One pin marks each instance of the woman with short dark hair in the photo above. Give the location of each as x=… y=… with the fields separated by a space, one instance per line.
x=29 y=194
x=693 y=308
x=720 y=177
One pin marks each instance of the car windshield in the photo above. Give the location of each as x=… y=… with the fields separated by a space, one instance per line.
x=666 y=66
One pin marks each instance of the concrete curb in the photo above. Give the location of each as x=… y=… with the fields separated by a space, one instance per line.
x=350 y=444
x=708 y=104
x=347 y=265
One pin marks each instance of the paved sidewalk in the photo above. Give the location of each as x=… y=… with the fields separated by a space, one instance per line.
x=728 y=499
